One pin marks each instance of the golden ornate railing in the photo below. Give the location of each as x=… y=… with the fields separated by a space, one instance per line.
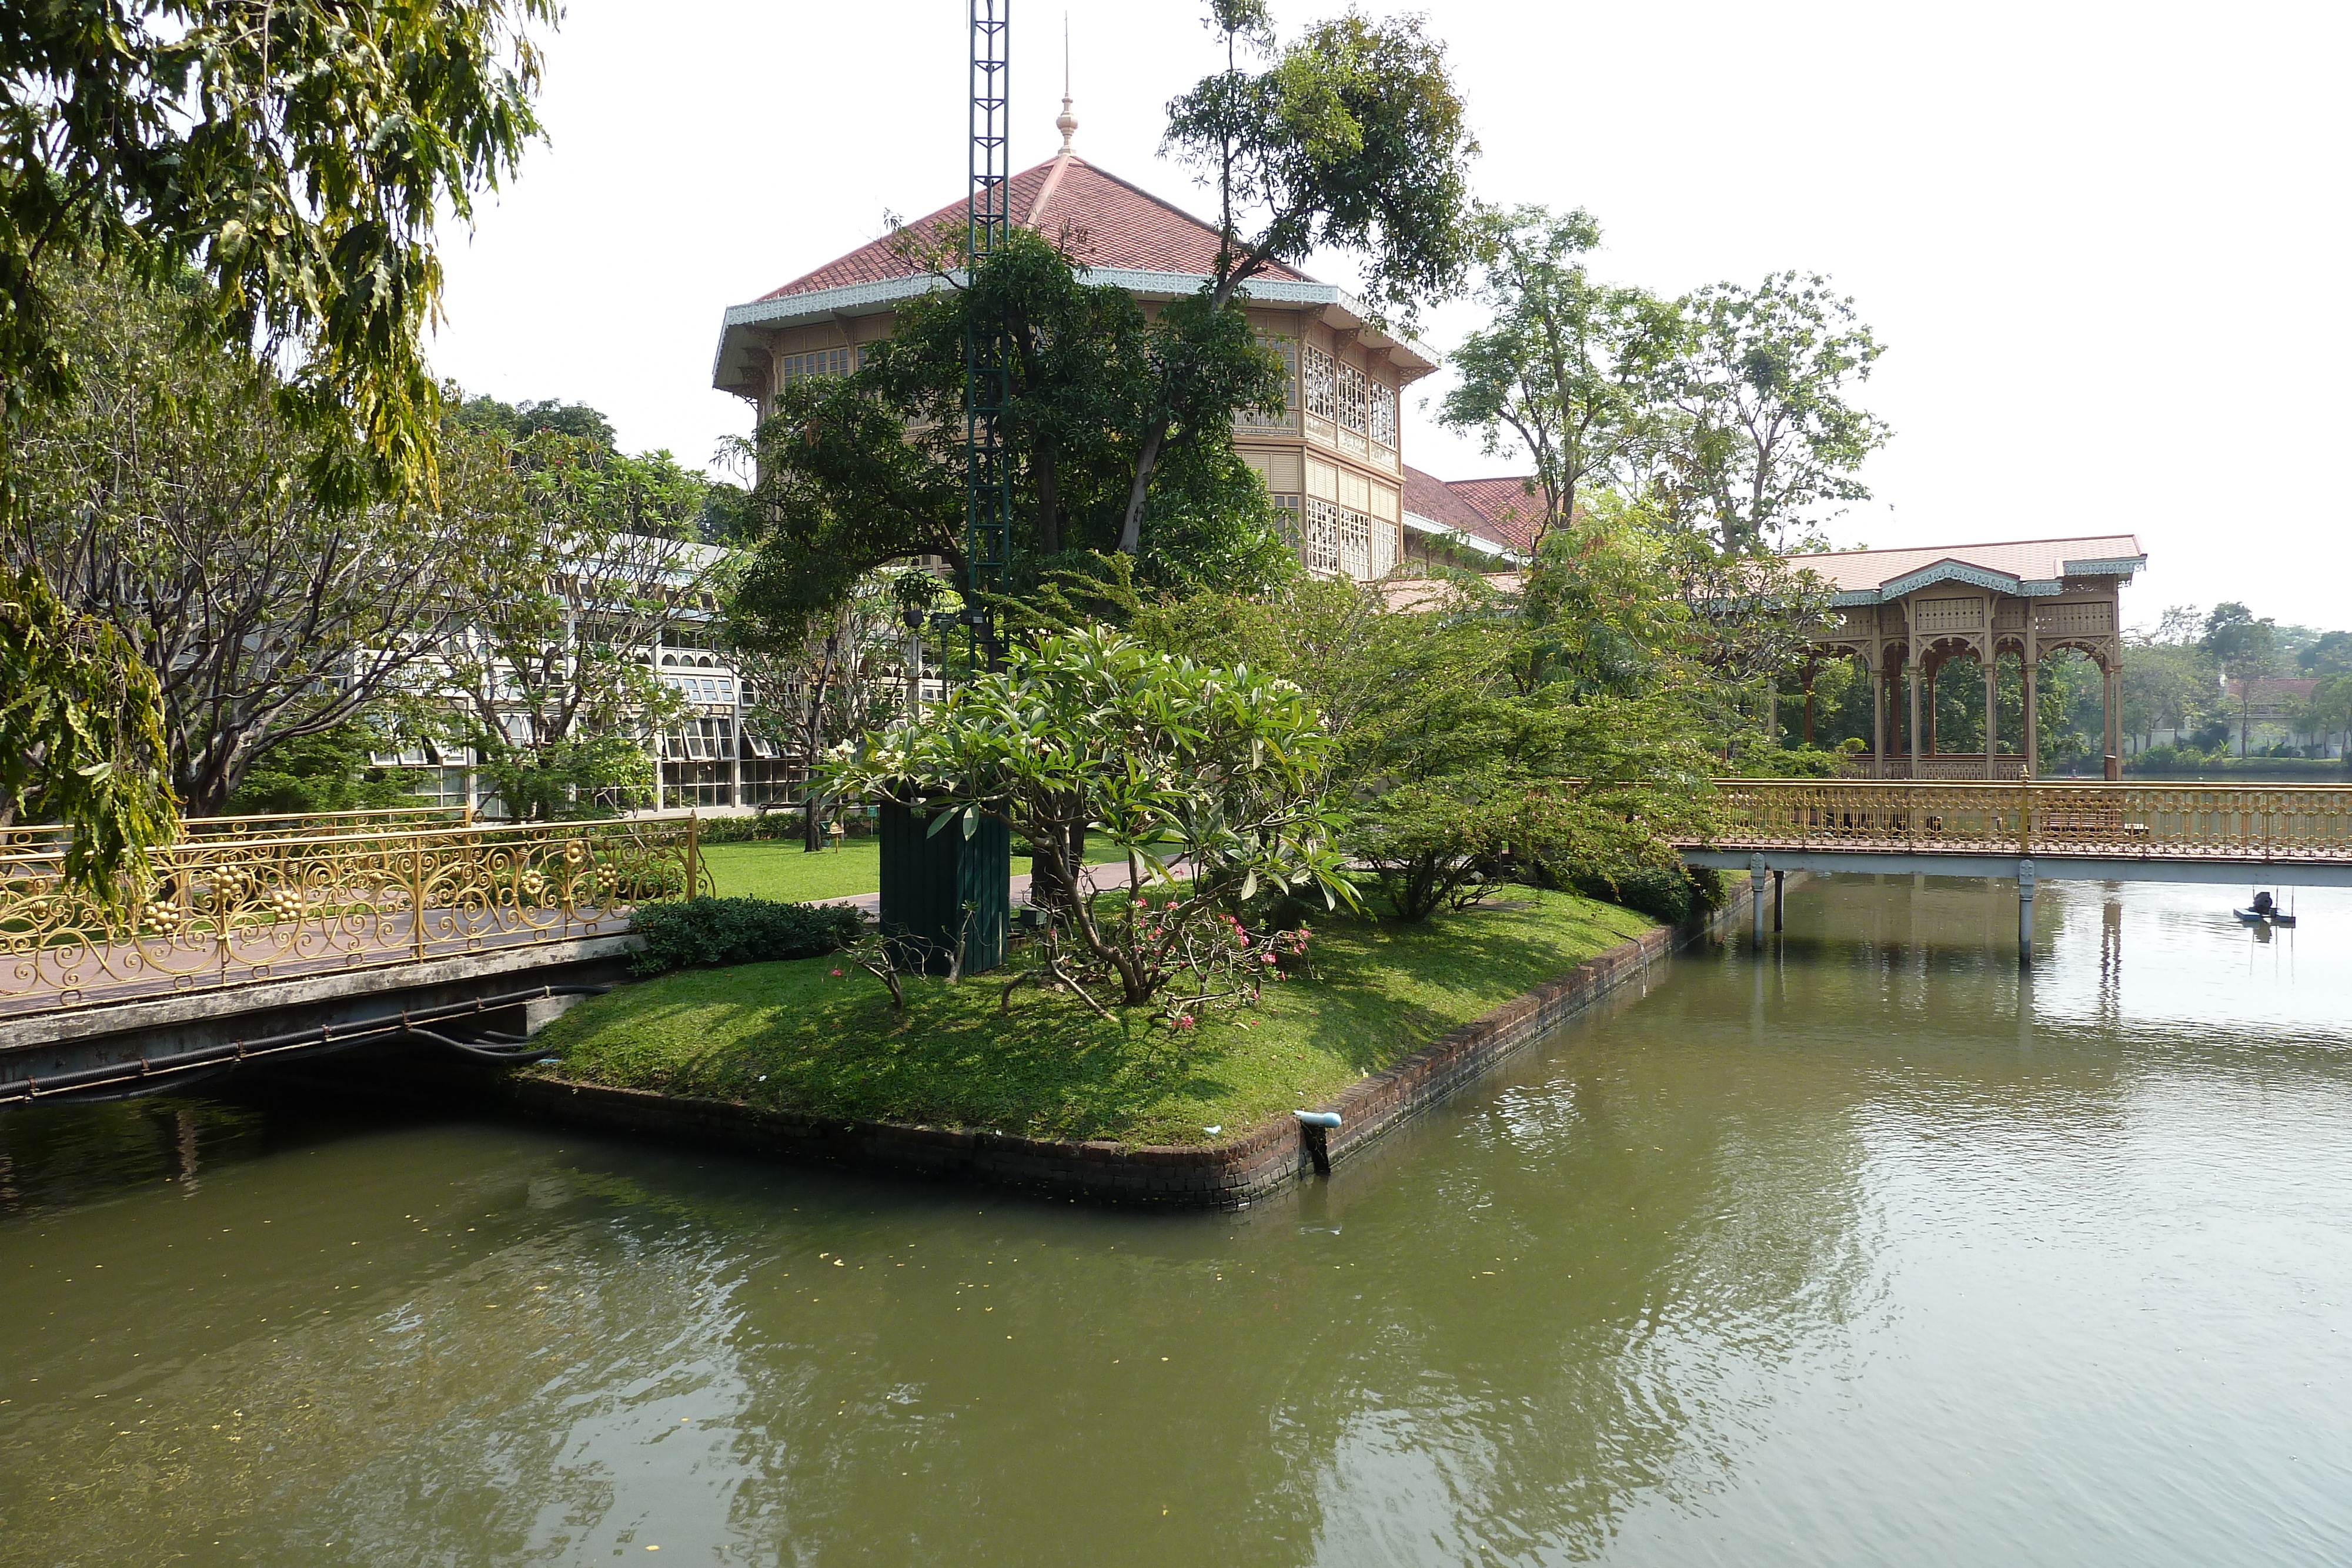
x=383 y=819
x=232 y=908
x=2176 y=822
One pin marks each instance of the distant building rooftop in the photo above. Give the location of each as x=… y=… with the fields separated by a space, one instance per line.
x=1105 y=221
x=2029 y=567
x=1503 y=512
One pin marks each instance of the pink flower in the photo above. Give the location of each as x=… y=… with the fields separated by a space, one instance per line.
x=836 y=973
x=1171 y=904
x=1262 y=957
x=1184 y=1021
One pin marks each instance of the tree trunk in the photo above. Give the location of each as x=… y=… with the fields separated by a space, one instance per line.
x=809 y=836
x=1058 y=848
x=1130 y=529
x=1049 y=502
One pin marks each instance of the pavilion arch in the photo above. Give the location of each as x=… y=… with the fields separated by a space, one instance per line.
x=1833 y=651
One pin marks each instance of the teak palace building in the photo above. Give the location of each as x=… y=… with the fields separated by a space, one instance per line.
x=1333 y=458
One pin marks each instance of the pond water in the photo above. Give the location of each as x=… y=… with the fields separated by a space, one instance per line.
x=1865 y=1250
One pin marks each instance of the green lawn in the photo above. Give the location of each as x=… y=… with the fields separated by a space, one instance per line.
x=780 y=869
x=798 y=1035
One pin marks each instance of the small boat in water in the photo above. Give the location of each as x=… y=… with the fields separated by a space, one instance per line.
x=2264 y=909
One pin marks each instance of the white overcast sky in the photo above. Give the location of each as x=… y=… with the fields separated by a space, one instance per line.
x=2103 y=244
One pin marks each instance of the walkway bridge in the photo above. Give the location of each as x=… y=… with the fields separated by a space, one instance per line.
x=2243 y=834
x=259 y=938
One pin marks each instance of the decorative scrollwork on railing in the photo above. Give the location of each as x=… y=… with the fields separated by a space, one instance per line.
x=2187 y=821
x=229 y=908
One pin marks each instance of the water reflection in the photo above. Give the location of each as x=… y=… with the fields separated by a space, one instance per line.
x=1864 y=1247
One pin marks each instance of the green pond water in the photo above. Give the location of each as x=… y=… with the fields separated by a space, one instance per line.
x=1861 y=1251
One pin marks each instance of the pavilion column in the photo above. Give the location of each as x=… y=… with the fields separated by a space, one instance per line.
x=1878 y=717
x=2115 y=722
x=1911 y=735
x=1992 y=711
x=2031 y=684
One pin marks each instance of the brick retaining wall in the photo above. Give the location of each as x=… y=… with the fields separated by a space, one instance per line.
x=1227 y=1174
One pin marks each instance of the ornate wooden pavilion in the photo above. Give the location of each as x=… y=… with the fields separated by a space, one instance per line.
x=1905 y=613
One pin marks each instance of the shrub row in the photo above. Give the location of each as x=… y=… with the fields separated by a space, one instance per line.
x=702 y=931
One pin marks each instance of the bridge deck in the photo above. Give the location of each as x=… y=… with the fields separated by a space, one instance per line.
x=2173 y=824
x=224 y=913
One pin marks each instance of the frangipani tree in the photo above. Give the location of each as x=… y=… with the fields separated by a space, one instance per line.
x=1211 y=781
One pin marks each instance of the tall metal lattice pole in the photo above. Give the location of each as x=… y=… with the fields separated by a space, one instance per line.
x=987 y=381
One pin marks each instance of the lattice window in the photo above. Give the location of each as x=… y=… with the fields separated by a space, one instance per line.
x=790 y=368
x=1948 y=615
x=1384 y=416
x=1320 y=546
x=2096 y=619
x=1355 y=399
x=1384 y=548
x=1285 y=519
x=1320 y=388
x=1355 y=544
x=1286 y=417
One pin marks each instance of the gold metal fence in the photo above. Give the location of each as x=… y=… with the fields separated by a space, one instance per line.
x=231 y=909
x=2161 y=821
x=38 y=837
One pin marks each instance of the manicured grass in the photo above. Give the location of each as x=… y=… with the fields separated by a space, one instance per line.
x=780 y=869
x=798 y=1035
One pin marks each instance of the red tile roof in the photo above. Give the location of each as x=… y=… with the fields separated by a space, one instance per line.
x=1406 y=595
x=1503 y=511
x=1429 y=497
x=1513 y=510
x=2273 y=689
x=1103 y=220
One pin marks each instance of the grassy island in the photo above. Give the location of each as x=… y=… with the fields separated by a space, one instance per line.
x=818 y=1034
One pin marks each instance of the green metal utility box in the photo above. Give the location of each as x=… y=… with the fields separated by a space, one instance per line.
x=935 y=883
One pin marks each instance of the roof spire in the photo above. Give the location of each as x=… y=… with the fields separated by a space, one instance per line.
x=1066 y=122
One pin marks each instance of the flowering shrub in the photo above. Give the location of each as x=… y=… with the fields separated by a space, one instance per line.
x=1211 y=781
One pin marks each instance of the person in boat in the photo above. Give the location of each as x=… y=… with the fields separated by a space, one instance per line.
x=2264 y=905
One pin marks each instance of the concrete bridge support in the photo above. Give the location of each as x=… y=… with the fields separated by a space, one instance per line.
x=1755 y=873
x=2025 y=914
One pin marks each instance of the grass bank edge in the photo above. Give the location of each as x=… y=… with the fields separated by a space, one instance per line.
x=817 y=1035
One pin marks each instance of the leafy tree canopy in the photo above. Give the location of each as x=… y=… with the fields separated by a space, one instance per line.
x=1761 y=429
x=517 y=421
x=2329 y=654
x=1353 y=138
x=298 y=155
x=330 y=770
x=2242 y=644
x=1567 y=367
x=1221 y=768
x=81 y=741
x=165 y=498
